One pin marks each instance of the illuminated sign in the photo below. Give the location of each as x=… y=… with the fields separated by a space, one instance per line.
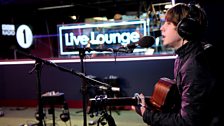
x=24 y=35
x=107 y=33
x=8 y=29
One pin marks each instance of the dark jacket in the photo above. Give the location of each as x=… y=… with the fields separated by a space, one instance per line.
x=196 y=79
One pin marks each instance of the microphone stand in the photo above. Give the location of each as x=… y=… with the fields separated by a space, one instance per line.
x=79 y=74
x=40 y=114
x=83 y=87
x=84 y=83
x=40 y=105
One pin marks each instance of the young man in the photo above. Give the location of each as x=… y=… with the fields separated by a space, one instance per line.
x=195 y=72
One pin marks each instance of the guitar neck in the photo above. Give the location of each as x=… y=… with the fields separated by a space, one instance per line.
x=121 y=101
x=165 y=97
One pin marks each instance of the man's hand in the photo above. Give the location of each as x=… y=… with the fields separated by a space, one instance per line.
x=141 y=107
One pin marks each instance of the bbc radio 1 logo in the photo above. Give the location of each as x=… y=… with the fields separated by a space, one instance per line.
x=23 y=33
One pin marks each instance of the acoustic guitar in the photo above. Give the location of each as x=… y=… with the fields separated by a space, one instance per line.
x=164 y=98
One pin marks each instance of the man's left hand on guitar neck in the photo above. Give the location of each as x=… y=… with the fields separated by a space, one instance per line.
x=142 y=106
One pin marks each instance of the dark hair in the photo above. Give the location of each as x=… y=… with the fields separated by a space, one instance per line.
x=182 y=10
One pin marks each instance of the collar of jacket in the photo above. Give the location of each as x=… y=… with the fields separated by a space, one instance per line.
x=186 y=48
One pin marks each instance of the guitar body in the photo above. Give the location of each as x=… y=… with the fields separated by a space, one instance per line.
x=164 y=98
x=165 y=95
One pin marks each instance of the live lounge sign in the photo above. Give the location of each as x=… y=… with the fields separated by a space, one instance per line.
x=80 y=35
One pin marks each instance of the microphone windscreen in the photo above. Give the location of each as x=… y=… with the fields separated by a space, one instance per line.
x=146 y=41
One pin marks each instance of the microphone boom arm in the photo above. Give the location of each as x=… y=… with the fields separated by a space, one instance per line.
x=123 y=50
x=79 y=74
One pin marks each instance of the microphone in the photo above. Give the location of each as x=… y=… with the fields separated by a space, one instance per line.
x=144 y=42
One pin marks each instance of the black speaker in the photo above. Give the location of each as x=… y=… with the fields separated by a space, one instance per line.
x=65 y=115
x=190 y=28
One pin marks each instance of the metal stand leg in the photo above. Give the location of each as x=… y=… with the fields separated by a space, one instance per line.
x=52 y=111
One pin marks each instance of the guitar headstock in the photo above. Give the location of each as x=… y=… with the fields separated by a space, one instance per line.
x=97 y=105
